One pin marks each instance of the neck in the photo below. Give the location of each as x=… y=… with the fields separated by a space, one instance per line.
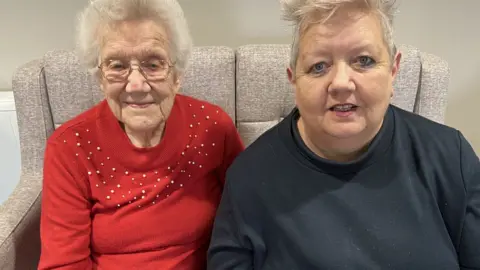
x=146 y=138
x=335 y=149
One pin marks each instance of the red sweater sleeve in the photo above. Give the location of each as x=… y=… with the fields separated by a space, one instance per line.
x=65 y=212
x=233 y=146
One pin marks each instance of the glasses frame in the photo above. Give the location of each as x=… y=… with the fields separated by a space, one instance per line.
x=169 y=67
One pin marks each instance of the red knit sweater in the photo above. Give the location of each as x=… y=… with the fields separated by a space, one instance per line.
x=107 y=204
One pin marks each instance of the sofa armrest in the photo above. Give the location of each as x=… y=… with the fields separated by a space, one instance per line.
x=20 y=225
x=34 y=117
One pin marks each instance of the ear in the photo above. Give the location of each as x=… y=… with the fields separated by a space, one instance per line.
x=177 y=82
x=396 y=64
x=178 y=85
x=99 y=79
x=395 y=68
x=291 y=76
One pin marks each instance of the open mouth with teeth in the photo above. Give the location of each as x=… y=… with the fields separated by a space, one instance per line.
x=343 y=108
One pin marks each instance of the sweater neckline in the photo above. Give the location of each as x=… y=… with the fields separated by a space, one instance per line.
x=114 y=139
x=379 y=145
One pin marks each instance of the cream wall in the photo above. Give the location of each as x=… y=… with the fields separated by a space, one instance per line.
x=443 y=27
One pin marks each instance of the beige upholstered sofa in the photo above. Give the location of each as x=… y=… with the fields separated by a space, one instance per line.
x=250 y=83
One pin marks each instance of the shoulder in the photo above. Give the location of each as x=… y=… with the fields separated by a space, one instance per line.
x=84 y=122
x=198 y=112
x=258 y=157
x=433 y=145
x=431 y=134
x=260 y=165
x=195 y=105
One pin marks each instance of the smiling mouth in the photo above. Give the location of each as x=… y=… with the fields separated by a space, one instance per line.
x=138 y=105
x=343 y=107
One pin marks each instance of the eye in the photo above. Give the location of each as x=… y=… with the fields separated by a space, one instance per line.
x=116 y=65
x=365 y=61
x=318 y=68
x=154 y=64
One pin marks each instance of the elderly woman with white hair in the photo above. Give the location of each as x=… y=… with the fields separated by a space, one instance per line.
x=135 y=181
x=347 y=180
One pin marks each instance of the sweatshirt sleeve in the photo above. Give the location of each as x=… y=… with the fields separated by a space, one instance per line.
x=229 y=248
x=65 y=212
x=233 y=146
x=469 y=253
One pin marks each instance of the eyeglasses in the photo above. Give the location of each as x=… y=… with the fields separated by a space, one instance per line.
x=118 y=70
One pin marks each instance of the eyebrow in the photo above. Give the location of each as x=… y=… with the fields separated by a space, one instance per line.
x=114 y=55
x=154 y=51
x=142 y=53
x=356 y=48
x=374 y=48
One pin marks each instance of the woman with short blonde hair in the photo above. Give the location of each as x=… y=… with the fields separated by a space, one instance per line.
x=348 y=180
x=135 y=181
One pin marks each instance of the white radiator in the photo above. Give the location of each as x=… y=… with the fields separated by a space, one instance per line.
x=10 y=162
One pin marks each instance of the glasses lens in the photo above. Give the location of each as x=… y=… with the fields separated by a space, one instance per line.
x=155 y=69
x=118 y=70
x=115 y=70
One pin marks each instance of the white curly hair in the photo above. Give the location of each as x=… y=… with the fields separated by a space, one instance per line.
x=100 y=14
x=301 y=13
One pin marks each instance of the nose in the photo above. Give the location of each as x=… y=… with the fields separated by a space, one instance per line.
x=136 y=82
x=341 y=79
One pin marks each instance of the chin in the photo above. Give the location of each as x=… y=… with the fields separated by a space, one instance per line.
x=141 y=124
x=345 y=130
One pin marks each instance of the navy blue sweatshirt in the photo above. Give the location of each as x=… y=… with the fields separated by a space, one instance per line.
x=412 y=201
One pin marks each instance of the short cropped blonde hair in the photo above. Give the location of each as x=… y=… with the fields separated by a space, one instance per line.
x=301 y=11
x=103 y=13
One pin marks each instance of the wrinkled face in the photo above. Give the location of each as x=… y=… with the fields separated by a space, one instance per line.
x=344 y=76
x=142 y=101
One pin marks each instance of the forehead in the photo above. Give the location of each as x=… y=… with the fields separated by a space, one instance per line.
x=343 y=32
x=132 y=38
